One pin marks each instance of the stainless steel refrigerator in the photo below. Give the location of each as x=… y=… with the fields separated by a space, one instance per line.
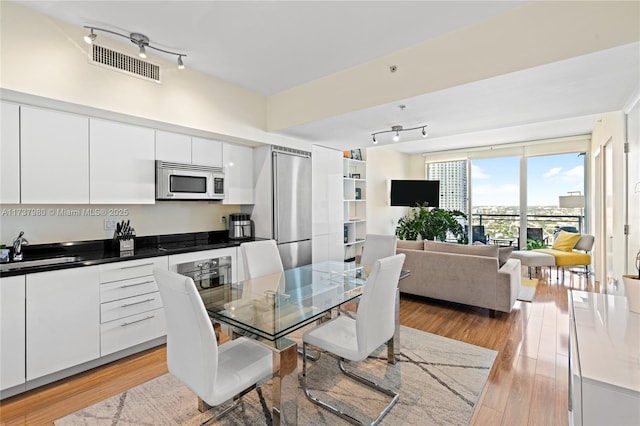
x=291 y=190
x=282 y=202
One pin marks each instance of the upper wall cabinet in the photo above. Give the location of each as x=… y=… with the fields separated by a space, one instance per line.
x=54 y=158
x=206 y=152
x=9 y=153
x=238 y=174
x=122 y=163
x=173 y=147
x=178 y=148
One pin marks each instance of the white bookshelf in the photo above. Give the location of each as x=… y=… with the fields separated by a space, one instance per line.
x=354 y=174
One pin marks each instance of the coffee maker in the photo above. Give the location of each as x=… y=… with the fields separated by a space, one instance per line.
x=240 y=226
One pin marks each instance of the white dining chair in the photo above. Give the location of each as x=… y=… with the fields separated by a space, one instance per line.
x=376 y=246
x=215 y=374
x=355 y=339
x=261 y=258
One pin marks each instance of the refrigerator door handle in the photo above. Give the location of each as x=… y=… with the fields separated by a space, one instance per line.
x=274 y=175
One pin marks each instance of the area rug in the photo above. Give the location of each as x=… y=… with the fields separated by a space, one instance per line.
x=527 y=289
x=439 y=381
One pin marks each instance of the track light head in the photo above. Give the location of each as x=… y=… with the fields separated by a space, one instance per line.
x=396 y=137
x=90 y=38
x=142 y=53
x=424 y=133
x=180 y=63
x=375 y=141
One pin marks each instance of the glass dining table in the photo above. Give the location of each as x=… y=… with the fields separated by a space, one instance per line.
x=270 y=308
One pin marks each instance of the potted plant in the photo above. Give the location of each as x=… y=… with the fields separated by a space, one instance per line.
x=632 y=287
x=430 y=223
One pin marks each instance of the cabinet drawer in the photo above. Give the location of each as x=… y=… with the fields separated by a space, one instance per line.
x=130 y=306
x=131 y=269
x=124 y=333
x=116 y=290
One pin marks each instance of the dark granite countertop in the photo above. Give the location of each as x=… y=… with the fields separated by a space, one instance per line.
x=97 y=252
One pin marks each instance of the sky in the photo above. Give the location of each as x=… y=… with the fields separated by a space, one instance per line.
x=495 y=181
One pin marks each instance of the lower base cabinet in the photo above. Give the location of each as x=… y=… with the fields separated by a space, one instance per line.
x=131 y=309
x=132 y=330
x=62 y=320
x=12 y=332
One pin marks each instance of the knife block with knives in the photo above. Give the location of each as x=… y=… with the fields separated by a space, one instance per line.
x=125 y=237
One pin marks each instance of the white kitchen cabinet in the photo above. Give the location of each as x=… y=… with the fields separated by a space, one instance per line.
x=173 y=147
x=131 y=309
x=12 y=332
x=238 y=174
x=327 y=213
x=9 y=153
x=206 y=152
x=54 y=157
x=122 y=163
x=63 y=319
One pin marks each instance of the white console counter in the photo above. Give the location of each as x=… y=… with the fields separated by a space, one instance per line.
x=604 y=360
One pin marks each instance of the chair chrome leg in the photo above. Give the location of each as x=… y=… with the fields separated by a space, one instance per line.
x=395 y=396
x=203 y=407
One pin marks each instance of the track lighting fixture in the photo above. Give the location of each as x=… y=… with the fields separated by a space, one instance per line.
x=397 y=130
x=140 y=40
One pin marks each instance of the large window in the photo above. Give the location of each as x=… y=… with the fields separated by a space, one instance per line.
x=495 y=200
x=518 y=195
x=555 y=196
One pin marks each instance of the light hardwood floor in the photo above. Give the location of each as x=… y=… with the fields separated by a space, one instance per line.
x=527 y=384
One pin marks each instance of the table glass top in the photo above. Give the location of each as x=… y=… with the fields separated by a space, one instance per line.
x=274 y=305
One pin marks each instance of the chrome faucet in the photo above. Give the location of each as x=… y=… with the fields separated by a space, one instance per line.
x=18 y=243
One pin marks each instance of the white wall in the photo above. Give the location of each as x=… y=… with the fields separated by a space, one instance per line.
x=65 y=222
x=610 y=129
x=48 y=58
x=383 y=165
x=633 y=187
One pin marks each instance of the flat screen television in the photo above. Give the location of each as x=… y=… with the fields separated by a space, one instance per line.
x=410 y=193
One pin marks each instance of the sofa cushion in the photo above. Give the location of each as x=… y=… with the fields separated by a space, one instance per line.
x=488 y=251
x=503 y=255
x=568 y=258
x=565 y=241
x=410 y=245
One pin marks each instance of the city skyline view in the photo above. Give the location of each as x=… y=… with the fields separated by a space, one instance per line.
x=495 y=181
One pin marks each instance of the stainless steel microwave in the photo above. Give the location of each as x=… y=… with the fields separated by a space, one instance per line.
x=176 y=181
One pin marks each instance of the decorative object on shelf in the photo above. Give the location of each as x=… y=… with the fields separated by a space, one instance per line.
x=346 y=234
x=356 y=154
x=346 y=154
x=140 y=40
x=429 y=223
x=358 y=193
x=355 y=175
x=632 y=287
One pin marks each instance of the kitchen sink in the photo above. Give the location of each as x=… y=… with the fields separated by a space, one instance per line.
x=41 y=262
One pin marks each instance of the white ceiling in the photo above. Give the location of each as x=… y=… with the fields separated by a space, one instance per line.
x=271 y=46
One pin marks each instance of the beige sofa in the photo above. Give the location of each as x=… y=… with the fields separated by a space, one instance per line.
x=460 y=273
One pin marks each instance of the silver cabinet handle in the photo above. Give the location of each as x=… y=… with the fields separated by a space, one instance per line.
x=137 y=284
x=136 y=303
x=136 y=266
x=136 y=321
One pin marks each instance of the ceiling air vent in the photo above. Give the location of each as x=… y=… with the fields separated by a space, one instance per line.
x=125 y=63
